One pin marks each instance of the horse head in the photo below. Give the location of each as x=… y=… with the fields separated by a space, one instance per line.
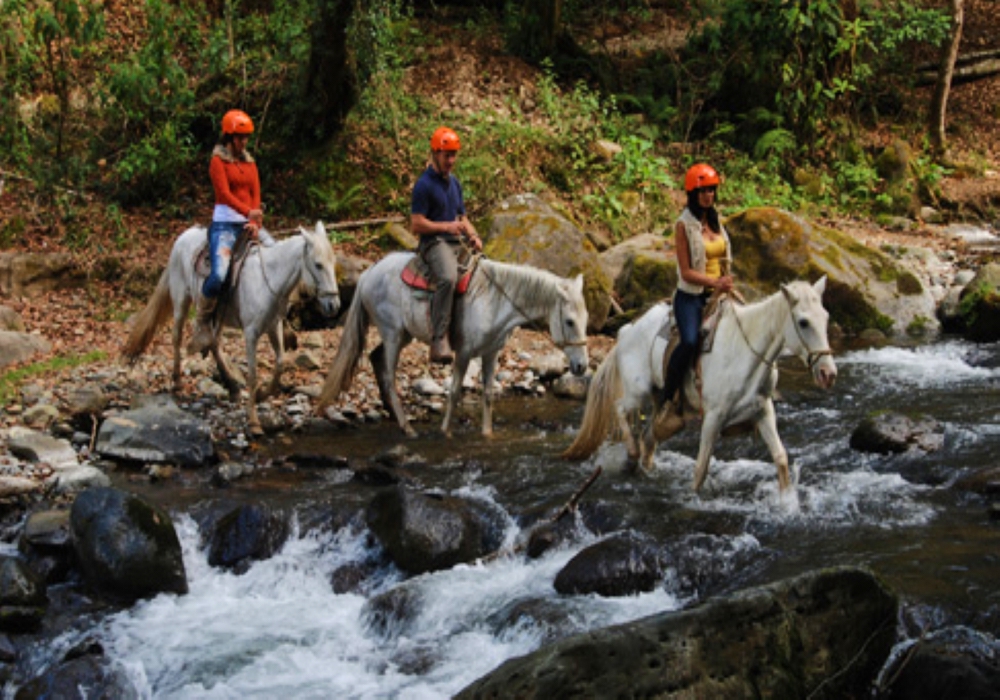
x=806 y=335
x=320 y=269
x=568 y=324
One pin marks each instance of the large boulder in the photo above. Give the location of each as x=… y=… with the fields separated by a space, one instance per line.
x=22 y=596
x=891 y=433
x=156 y=431
x=126 y=548
x=824 y=634
x=866 y=288
x=979 y=305
x=954 y=662
x=524 y=230
x=620 y=565
x=247 y=534
x=643 y=272
x=33 y=274
x=429 y=532
x=18 y=347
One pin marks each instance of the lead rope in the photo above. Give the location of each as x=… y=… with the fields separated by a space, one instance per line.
x=559 y=344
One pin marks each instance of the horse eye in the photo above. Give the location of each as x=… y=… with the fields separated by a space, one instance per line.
x=571 y=323
x=803 y=323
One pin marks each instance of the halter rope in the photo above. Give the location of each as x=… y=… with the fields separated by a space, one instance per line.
x=812 y=356
x=559 y=344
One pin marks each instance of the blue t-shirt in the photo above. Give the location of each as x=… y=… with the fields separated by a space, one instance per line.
x=437 y=198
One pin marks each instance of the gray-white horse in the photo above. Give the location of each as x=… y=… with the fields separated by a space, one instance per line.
x=258 y=304
x=500 y=298
x=738 y=376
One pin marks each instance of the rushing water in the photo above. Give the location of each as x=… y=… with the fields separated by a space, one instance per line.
x=279 y=630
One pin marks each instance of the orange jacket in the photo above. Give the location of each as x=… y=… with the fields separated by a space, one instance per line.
x=236 y=182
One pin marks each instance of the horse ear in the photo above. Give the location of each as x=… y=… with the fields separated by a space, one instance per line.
x=820 y=285
x=578 y=282
x=320 y=228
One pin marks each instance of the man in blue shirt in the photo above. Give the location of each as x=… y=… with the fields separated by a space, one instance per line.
x=437 y=216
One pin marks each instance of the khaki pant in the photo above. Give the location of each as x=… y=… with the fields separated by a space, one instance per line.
x=442 y=259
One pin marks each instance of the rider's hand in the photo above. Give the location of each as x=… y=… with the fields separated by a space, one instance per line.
x=252 y=227
x=476 y=242
x=724 y=284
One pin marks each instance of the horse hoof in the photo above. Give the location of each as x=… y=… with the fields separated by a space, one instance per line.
x=410 y=432
x=255 y=430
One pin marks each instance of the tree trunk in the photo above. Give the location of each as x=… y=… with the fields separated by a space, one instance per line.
x=939 y=103
x=329 y=89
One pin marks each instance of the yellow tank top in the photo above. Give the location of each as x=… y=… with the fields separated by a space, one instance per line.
x=715 y=251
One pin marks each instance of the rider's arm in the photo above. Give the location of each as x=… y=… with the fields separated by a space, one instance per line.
x=422 y=226
x=688 y=273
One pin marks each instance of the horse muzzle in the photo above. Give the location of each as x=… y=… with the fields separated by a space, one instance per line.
x=329 y=305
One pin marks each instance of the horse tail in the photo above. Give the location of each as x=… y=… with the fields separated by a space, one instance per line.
x=352 y=345
x=158 y=310
x=599 y=413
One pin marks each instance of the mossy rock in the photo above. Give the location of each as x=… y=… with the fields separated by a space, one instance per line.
x=867 y=288
x=645 y=281
x=524 y=230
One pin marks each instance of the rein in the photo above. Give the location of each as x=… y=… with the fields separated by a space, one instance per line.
x=559 y=344
x=812 y=356
x=305 y=266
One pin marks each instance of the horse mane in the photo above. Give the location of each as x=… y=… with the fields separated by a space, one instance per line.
x=536 y=286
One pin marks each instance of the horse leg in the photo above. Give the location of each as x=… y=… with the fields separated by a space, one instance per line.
x=253 y=421
x=625 y=427
x=711 y=427
x=384 y=359
x=767 y=425
x=176 y=336
x=455 y=391
x=276 y=336
x=487 y=373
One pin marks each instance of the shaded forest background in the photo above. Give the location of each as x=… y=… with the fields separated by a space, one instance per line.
x=108 y=110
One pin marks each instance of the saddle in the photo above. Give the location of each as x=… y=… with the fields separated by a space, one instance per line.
x=416 y=274
x=706 y=335
x=203 y=268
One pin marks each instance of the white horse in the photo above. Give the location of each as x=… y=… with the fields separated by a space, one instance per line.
x=257 y=305
x=738 y=376
x=500 y=298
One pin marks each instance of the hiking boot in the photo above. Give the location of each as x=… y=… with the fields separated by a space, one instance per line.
x=204 y=334
x=441 y=353
x=669 y=420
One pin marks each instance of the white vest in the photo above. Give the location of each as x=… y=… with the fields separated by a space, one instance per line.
x=696 y=250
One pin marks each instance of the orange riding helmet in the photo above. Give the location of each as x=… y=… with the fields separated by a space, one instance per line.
x=444 y=139
x=236 y=121
x=700 y=175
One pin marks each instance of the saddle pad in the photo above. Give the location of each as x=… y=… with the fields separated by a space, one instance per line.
x=415 y=275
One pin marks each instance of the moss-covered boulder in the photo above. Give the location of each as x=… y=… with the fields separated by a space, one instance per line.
x=525 y=230
x=866 y=287
x=979 y=307
x=643 y=272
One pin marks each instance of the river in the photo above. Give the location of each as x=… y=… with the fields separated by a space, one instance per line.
x=279 y=630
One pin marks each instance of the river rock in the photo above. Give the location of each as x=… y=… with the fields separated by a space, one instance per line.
x=954 y=662
x=22 y=596
x=79 y=478
x=866 y=288
x=35 y=446
x=10 y=320
x=247 y=534
x=571 y=386
x=890 y=432
x=824 y=634
x=389 y=614
x=99 y=677
x=428 y=532
x=980 y=305
x=126 y=548
x=158 y=431
x=18 y=347
x=624 y=564
x=46 y=546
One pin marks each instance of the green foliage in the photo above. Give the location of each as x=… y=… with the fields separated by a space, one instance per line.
x=11 y=380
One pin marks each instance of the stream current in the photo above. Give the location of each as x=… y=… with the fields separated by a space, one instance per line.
x=280 y=630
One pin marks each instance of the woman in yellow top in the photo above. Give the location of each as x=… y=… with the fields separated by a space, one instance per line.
x=703 y=259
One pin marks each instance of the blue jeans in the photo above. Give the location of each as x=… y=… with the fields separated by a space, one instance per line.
x=688 y=310
x=221 y=239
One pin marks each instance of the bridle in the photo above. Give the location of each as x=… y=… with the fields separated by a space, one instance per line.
x=562 y=343
x=812 y=356
x=306 y=265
